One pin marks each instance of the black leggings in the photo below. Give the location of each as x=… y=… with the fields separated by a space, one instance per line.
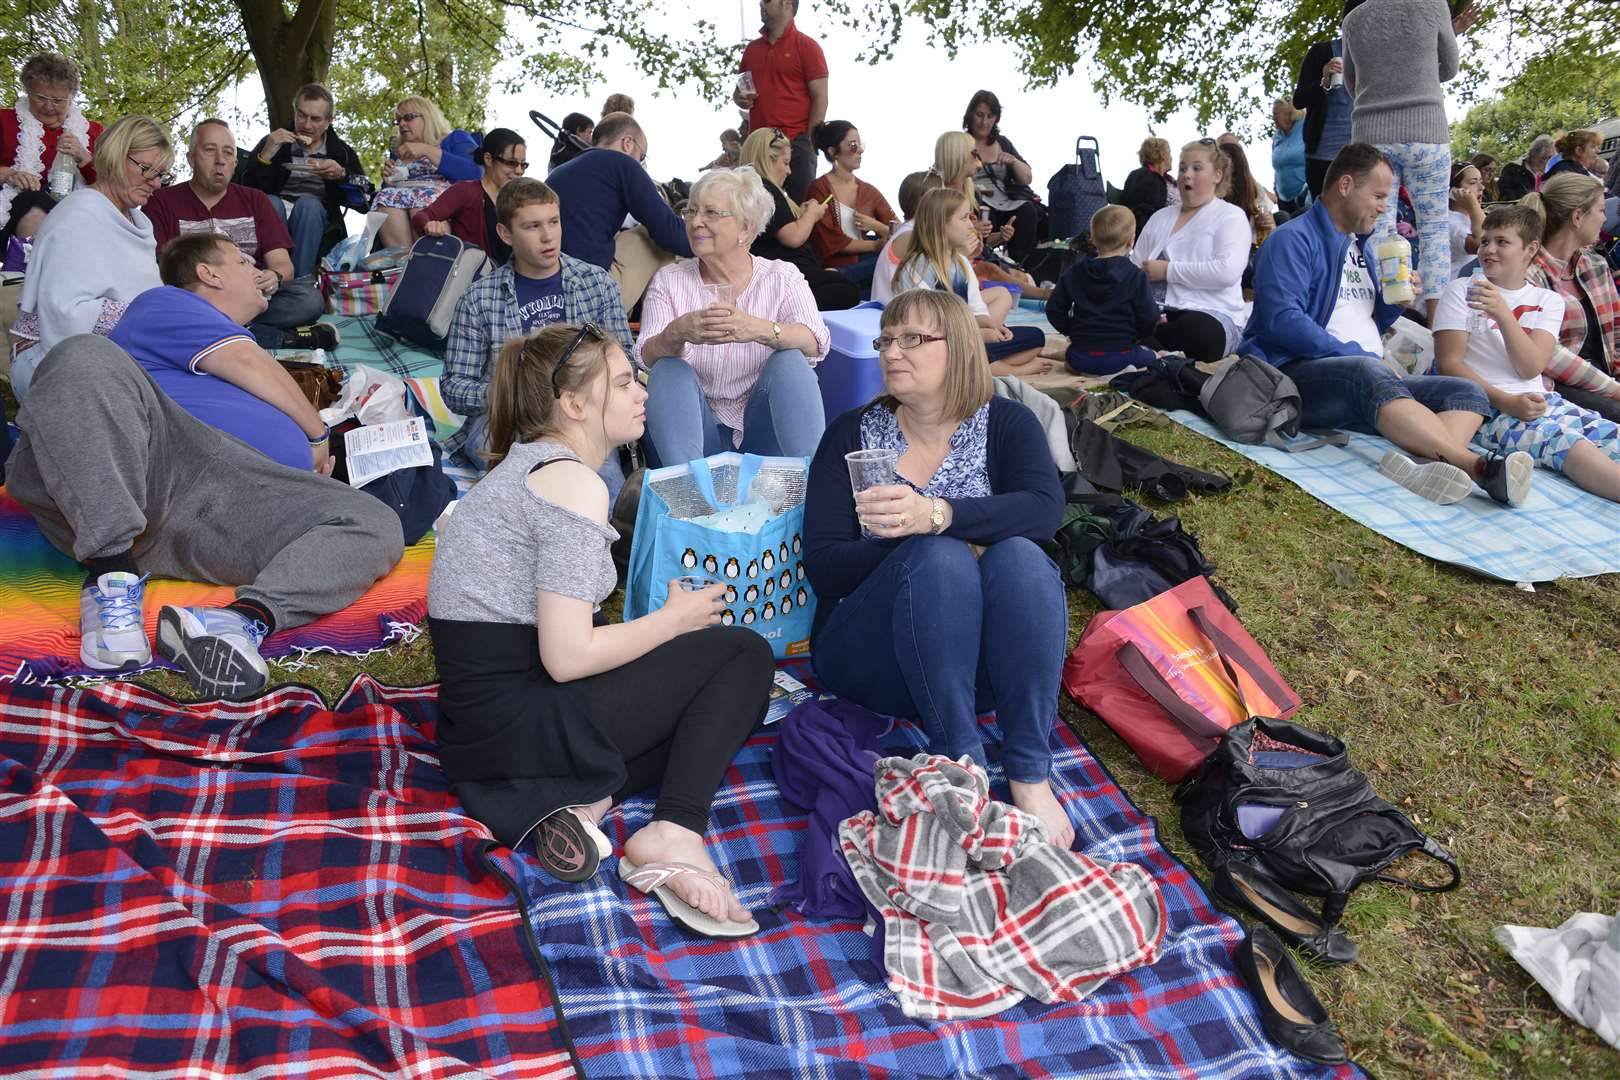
x=680 y=713
x=1316 y=175
x=1026 y=230
x=1193 y=334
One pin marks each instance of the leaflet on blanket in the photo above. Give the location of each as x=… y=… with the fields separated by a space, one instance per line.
x=787 y=693
x=379 y=449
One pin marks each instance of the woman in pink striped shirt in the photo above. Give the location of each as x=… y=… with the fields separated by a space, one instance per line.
x=730 y=374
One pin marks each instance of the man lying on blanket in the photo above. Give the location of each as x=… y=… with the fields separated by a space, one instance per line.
x=1318 y=315
x=202 y=461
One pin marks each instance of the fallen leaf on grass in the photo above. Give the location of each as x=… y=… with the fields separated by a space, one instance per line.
x=1344 y=575
x=1561 y=801
x=1352 y=675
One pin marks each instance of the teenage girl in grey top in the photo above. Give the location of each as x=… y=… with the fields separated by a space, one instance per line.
x=548 y=719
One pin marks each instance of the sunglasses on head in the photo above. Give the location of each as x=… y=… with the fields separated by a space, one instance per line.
x=586 y=330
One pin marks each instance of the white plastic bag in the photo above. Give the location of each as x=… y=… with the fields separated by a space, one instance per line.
x=375 y=397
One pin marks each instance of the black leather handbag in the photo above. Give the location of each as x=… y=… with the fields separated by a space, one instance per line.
x=1285 y=800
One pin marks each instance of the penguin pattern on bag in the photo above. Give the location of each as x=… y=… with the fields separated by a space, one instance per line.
x=731 y=568
x=782 y=553
x=709 y=563
x=727 y=618
x=769 y=613
x=753 y=568
x=751 y=594
x=787 y=604
x=767 y=561
x=798 y=545
x=689 y=558
x=731 y=594
x=801 y=596
x=748 y=617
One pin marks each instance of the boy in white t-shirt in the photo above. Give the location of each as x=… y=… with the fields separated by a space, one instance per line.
x=1507 y=359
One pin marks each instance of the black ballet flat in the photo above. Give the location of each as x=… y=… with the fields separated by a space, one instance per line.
x=1291 y=1014
x=1247 y=888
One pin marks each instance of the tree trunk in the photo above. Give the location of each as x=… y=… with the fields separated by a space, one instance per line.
x=288 y=52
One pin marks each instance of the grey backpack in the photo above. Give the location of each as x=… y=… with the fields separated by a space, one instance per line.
x=1253 y=402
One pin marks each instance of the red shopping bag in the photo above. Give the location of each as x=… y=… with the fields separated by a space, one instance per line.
x=1170 y=675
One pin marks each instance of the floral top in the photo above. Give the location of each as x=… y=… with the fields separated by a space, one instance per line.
x=965 y=472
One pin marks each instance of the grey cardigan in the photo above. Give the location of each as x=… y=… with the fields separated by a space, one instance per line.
x=1396 y=55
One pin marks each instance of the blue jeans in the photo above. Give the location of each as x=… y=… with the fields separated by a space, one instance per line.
x=860 y=271
x=297 y=303
x=936 y=634
x=477 y=429
x=1347 y=392
x=1096 y=362
x=783 y=416
x=307 y=222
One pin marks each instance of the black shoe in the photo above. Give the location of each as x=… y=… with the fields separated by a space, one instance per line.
x=1245 y=887
x=1506 y=477
x=569 y=845
x=314 y=336
x=1289 y=1011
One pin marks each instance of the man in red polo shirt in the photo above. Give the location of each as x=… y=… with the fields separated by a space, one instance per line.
x=790 y=84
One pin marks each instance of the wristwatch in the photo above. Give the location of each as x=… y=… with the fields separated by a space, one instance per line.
x=776 y=335
x=937 y=518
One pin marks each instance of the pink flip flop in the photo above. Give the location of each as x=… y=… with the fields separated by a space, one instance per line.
x=654 y=878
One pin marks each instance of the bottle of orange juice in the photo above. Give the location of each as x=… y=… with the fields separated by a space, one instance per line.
x=1394 y=257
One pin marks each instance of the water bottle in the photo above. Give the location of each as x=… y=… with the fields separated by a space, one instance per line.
x=60 y=181
x=1478 y=323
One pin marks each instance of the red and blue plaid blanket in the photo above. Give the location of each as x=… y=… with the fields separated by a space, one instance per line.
x=805 y=998
x=254 y=890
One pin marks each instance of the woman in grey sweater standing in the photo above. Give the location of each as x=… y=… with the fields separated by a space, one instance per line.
x=1396 y=55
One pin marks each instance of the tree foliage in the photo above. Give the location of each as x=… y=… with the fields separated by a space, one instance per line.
x=1219 y=60
x=173 y=59
x=1555 y=93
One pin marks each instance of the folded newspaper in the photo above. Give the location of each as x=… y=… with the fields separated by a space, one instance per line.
x=379 y=449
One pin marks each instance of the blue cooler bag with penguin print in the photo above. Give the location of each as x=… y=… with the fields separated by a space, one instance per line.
x=736 y=518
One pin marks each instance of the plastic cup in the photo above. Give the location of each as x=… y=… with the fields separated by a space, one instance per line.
x=745 y=84
x=871 y=468
x=717 y=295
x=696 y=583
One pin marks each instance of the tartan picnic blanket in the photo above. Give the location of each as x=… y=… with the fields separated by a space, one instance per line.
x=805 y=998
x=1561 y=531
x=256 y=889
x=39 y=606
x=362 y=343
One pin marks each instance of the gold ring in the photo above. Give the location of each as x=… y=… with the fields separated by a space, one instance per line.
x=904 y=519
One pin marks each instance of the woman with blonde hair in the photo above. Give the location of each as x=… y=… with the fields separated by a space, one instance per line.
x=1149 y=188
x=787 y=235
x=1578 y=153
x=1195 y=254
x=428 y=156
x=934 y=599
x=938 y=256
x=1288 y=155
x=543 y=740
x=956 y=159
x=1587 y=356
x=95 y=252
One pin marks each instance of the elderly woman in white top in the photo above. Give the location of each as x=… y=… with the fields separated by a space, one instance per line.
x=1194 y=255
x=730 y=339
x=95 y=252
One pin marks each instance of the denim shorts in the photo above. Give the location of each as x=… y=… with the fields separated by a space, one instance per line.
x=1346 y=392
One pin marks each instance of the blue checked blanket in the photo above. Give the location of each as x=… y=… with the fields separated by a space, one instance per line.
x=255 y=890
x=805 y=998
x=1560 y=532
x=362 y=343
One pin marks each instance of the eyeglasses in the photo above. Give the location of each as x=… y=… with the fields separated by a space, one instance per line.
x=854 y=147
x=586 y=330
x=907 y=342
x=705 y=215
x=406 y=118
x=41 y=99
x=1206 y=141
x=512 y=163
x=149 y=172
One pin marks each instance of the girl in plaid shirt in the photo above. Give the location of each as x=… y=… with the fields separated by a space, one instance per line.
x=1571 y=210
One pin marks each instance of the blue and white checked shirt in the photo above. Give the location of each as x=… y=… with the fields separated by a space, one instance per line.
x=486 y=319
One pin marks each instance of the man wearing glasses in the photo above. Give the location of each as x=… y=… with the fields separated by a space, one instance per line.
x=310 y=174
x=598 y=189
x=786 y=87
x=210 y=202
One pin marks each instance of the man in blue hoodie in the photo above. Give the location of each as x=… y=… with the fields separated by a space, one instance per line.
x=602 y=185
x=1319 y=316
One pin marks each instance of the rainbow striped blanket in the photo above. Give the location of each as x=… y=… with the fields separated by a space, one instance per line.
x=39 y=606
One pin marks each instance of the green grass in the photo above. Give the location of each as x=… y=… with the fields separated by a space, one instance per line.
x=1492 y=716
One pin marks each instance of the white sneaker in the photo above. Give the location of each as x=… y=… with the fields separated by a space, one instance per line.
x=217 y=648
x=112 y=624
x=1434 y=480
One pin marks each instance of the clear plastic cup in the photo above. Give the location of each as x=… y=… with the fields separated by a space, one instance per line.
x=696 y=583
x=745 y=84
x=717 y=294
x=871 y=468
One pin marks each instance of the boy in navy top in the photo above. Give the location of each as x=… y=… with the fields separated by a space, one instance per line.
x=1105 y=304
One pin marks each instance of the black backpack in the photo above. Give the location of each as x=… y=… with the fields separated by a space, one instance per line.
x=1284 y=799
